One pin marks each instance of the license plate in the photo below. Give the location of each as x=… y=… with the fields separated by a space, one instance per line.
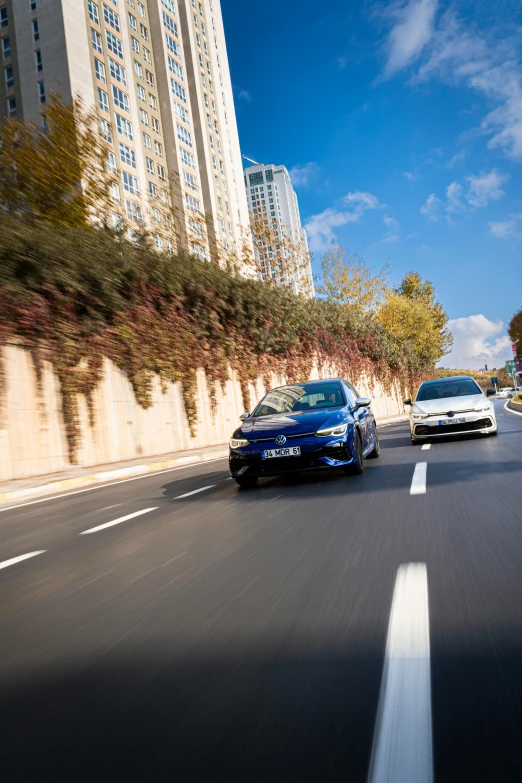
x=292 y=451
x=455 y=420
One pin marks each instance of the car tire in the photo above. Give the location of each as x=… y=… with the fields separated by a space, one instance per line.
x=358 y=466
x=246 y=482
x=416 y=441
x=376 y=451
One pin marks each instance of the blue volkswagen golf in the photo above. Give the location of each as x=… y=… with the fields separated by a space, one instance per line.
x=304 y=426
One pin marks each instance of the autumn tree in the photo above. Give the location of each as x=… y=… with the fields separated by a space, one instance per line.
x=423 y=292
x=411 y=322
x=57 y=172
x=515 y=329
x=348 y=280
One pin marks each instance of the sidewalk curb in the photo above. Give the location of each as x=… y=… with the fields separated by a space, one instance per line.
x=105 y=476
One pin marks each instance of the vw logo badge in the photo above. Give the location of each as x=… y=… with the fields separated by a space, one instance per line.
x=280 y=440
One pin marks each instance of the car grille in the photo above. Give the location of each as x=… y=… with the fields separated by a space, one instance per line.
x=283 y=464
x=448 y=429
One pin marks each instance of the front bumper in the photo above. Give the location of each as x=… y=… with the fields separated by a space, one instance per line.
x=248 y=461
x=480 y=422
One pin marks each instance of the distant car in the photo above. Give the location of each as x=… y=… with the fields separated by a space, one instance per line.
x=507 y=391
x=316 y=425
x=450 y=406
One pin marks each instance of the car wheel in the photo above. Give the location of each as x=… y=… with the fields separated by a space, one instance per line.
x=358 y=466
x=375 y=452
x=247 y=482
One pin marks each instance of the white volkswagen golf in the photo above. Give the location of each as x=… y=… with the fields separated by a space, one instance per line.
x=450 y=406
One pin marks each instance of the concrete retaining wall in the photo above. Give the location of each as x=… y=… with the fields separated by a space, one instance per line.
x=32 y=432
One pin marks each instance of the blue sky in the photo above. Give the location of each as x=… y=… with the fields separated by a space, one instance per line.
x=401 y=124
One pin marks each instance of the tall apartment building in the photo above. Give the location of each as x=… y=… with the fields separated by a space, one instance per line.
x=272 y=199
x=156 y=72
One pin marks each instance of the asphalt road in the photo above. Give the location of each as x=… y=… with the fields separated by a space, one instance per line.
x=242 y=635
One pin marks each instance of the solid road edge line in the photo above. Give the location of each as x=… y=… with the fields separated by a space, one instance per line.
x=402 y=749
x=507 y=408
x=19 y=559
x=117 y=521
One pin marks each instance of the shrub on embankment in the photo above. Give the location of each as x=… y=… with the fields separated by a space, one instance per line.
x=75 y=295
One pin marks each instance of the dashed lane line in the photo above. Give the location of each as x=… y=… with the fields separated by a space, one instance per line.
x=194 y=492
x=418 y=482
x=402 y=745
x=426 y=447
x=19 y=559
x=118 y=521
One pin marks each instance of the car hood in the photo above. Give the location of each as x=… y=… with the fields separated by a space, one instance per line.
x=290 y=424
x=455 y=404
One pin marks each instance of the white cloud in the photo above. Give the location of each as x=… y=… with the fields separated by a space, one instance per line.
x=507 y=229
x=410 y=176
x=391 y=222
x=477 y=341
x=486 y=62
x=244 y=95
x=301 y=174
x=321 y=228
x=432 y=207
x=453 y=198
x=485 y=187
x=456 y=159
x=410 y=34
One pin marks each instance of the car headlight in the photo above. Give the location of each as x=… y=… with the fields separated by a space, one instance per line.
x=332 y=432
x=483 y=408
x=237 y=443
x=420 y=415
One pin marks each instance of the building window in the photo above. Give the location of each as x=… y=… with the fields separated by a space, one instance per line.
x=135 y=46
x=118 y=72
x=180 y=112
x=208 y=67
x=103 y=100
x=172 y=45
x=141 y=9
x=93 y=12
x=156 y=216
x=36 y=30
x=111 y=162
x=200 y=56
x=170 y=24
x=221 y=167
x=141 y=93
x=99 y=69
x=157 y=239
x=187 y=158
x=155 y=124
x=147 y=55
x=153 y=191
x=150 y=165
x=205 y=47
x=133 y=211
x=11 y=107
x=124 y=127
x=190 y=180
x=130 y=183
x=9 y=76
x=192 y=203
x=114 y=191
x=211 y=140
x=164 y=196
x=114 y=44
x=158 y=149
x=175 y=67
x=116 y=221
x=4 y=20
x=127 y=155
x=41 y=92
x=133 y=22
x=161 y=172
x=152 y=101
x=169 y=4
x=269 y=175
x=178 y=90
x=214 y=161
x=147 y=141
x=106 y=130
x=111 y=18
x=138 y=70
x=144 y=117
x=198 y=40
x=120 y=98
x=150 y=78
x=184 y=135
x=195 y=20
x=256 y=179
x=144 y=32
x=6 y=46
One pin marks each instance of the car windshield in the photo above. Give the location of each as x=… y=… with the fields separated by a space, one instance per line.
x=301 y=397
x=444 y=389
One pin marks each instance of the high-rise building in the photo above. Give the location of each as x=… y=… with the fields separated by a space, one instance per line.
x=281 y=246
x=156 y=72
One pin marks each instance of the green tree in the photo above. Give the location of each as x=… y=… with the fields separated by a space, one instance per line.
x=515 y=329
x=55 y=173
x=415 y=289
x=348 y=280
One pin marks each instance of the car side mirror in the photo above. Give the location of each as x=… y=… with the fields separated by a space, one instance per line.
x=408 y=402
x=361 y=402
x=490 y=392
x=244 y=416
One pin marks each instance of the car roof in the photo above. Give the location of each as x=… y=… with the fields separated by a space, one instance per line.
x=450 y=378
x=309 y=383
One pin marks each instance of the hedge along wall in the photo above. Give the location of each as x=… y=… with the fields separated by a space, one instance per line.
x=33 y=436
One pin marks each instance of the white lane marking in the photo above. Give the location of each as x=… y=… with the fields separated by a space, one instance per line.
x=517 y=413
x=19 y=559
x=106 y=508
x=402 y=746
x=426 y=447
x=117 y=521
x=109 y=484
x=194 y=492
x=418 y=482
